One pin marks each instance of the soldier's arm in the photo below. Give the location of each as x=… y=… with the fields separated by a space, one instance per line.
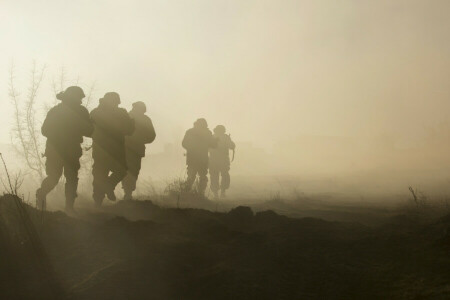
x=186 y=143
x=232 y=145
x=128 y=124
x=86 y=125
x=150 y=133
x=92 y=116
x=213 y=141
x=48 y=124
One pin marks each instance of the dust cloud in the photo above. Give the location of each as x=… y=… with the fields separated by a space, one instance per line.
x=347 y=97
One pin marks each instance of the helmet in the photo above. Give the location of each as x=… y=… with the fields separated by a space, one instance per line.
x=71 y=93
x=139 y=106
x=201 y=123
x=220 y=129
x=110 y=98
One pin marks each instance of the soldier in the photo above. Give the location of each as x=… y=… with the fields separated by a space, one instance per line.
x=219 y=161
x=111 y=125
x=197 y=142
x=144 y=133
x=64 y=127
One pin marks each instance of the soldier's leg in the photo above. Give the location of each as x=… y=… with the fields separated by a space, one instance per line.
x=100 y=183
x=191 y=175
x=118 y=173
x=225 y=182
x=128 y=185
x=214 y=176
x=203 y=180
x=54 y=169
x=71 y=169
x=129 y=182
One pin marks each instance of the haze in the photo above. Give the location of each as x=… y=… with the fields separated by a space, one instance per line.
x=275 y=73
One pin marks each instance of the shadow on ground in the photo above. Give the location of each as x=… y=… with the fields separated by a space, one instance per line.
x=138 y=250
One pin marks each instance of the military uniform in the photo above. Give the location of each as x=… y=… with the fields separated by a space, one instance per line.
x=64 y=126
x=144 y=133
x=197 y=141
x=219 y=162
x=111 y=125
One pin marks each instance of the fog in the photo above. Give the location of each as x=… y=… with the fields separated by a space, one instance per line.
x=349 y=92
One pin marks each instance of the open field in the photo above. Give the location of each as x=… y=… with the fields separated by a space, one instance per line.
x=136 y=250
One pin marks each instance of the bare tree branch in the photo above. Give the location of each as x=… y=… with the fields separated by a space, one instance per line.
x=24 y=135
x=19 y=130
x=90 y=95
x=60 y=85
x=36 y=80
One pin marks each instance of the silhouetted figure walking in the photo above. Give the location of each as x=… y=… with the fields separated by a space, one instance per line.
x=197 y=142
x=144 y=133
x=111 y=125
x=64 y=127
x=219 y=161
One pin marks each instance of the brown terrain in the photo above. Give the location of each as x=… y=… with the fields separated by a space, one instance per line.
x=139 y=250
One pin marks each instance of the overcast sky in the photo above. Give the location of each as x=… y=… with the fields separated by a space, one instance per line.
x=267 y=70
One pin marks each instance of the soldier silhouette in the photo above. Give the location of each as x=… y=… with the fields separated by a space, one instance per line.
x=197 y=141
x=64 y=127
x=111 y=125
x=144 y=133
x=219 y=161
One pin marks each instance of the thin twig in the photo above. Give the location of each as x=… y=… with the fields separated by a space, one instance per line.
x=7 y=175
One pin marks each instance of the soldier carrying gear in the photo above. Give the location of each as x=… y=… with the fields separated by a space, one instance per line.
x=144 y=133
x=111 y=125
x=64 y=127
x=219 y=161
x=197 y=141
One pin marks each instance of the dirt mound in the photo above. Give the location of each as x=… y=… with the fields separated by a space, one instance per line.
x=137 y=250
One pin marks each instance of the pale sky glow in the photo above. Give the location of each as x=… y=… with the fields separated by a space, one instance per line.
x=268 y=70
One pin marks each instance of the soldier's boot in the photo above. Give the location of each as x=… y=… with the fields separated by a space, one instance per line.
x=128 y=195
x=111 y=196
x=110 y=193
x=69 y=204
x=71 y=191
x=202 y=184
x=41 y=200
x=187 y=185
x=98 y=202
x=201 y=191
x=223 y=193
x=98 y=194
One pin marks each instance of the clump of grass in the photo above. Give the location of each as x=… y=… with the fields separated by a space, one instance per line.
x=275 y=197
x=174 y=187
x=424 y=209
x=419 y=198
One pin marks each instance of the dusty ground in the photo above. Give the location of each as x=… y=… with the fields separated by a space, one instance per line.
x=138 y=250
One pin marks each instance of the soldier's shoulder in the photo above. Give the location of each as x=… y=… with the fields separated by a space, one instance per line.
x=82 y=109
x=190 y=131
x=122 y=110
x=122 y=113
x=147 y=118
x=55 y=108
